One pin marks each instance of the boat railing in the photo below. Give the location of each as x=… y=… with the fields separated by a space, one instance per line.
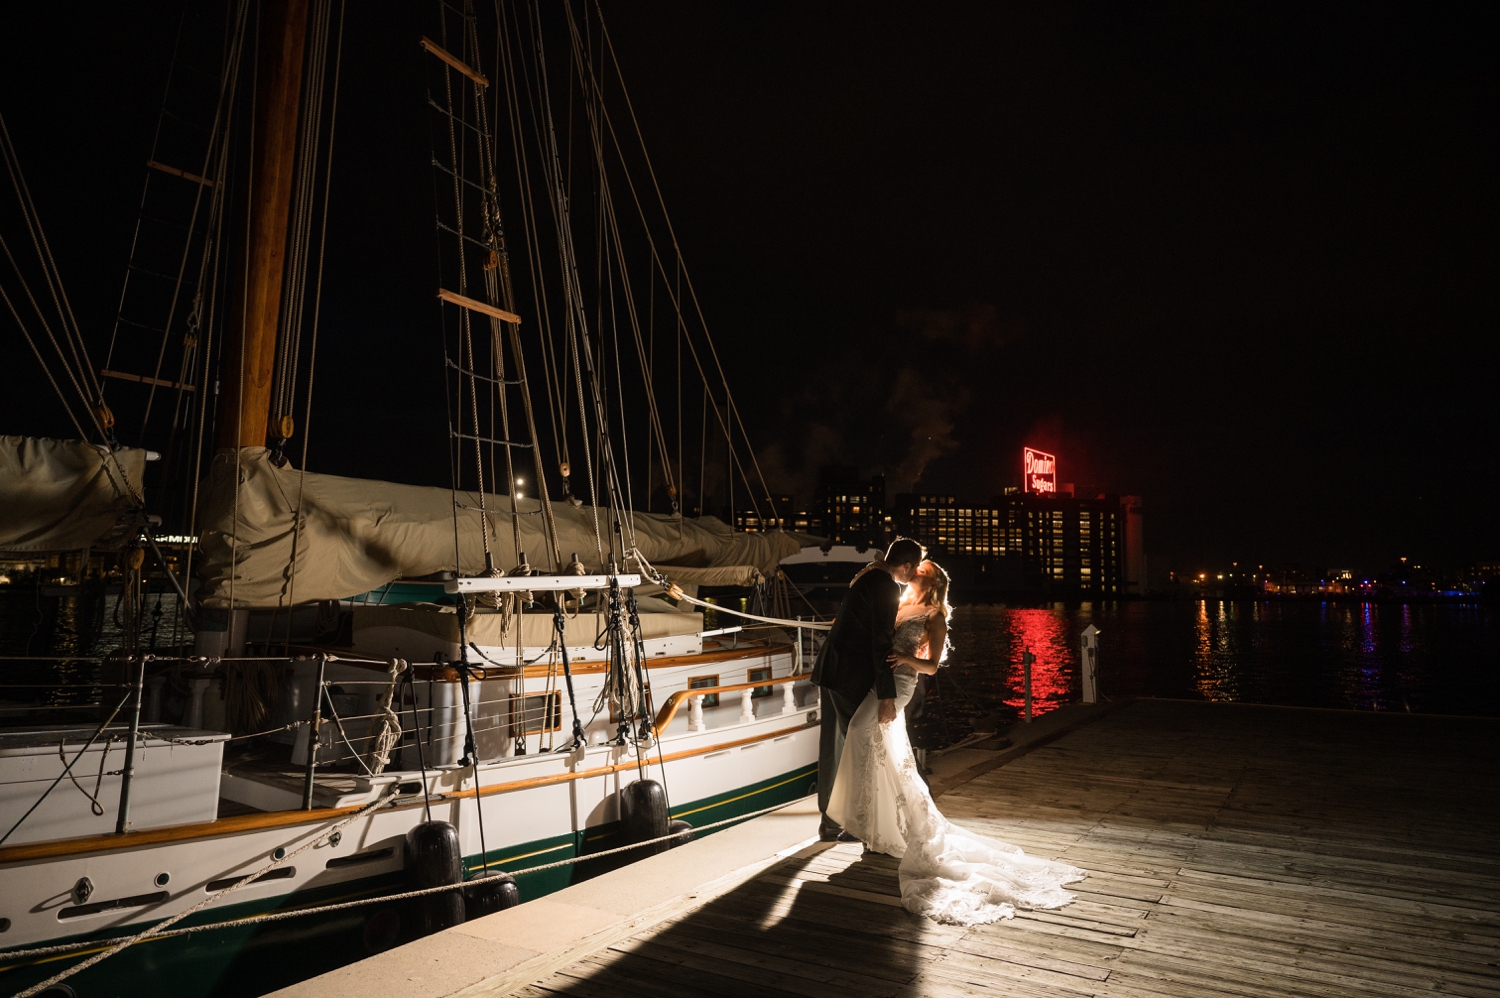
x=138 y=680
x=694 y=699
x=124 y=691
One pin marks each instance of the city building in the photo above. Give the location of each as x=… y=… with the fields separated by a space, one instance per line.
x=1034 y=541
x=942 y=525
x=851 y=510
x=1134 y=566
x=775 y=513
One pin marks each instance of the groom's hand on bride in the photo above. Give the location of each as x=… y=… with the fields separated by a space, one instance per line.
x=887 y=711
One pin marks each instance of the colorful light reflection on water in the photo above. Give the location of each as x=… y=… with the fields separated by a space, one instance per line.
x=1429 y=658
x=1054 y=674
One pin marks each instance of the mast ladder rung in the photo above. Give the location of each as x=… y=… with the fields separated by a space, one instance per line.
x=463 y=301
x=437 y=165
x=482 y=377
x=164 y=168
x=134 y=269
x=159 y=382
x=140 y=325
x=454 y=61
x=466 y=124
x=445 y=227
x=487 y=440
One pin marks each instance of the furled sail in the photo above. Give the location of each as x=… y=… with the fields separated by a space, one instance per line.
x=64 y=495
x=356 y=535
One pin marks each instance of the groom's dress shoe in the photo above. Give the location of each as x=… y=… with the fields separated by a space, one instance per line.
x=846 y=837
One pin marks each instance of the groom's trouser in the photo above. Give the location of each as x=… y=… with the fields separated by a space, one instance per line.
x=836 y=713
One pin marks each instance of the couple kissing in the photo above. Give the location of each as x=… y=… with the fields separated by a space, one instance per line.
x=869 y=788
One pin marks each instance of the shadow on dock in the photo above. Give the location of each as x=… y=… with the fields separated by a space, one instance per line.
x=834 y=913
x=1232 y=850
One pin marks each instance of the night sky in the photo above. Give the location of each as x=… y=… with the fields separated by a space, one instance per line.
x=1238 y=260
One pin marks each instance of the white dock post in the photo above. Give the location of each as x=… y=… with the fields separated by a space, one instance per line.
x=1090 y=662
x=695 y=714
x=747 y=706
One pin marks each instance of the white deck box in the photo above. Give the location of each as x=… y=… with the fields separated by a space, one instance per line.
x=174 y=784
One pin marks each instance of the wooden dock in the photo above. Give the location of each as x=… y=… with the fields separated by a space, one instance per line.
x=1231 y=849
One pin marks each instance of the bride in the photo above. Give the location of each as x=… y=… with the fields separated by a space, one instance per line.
x=947 y=873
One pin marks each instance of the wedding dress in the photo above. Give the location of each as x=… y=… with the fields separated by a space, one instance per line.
x=946 y=873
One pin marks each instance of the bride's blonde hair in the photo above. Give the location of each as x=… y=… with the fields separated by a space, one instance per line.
x=937 y=596
x=937 y=592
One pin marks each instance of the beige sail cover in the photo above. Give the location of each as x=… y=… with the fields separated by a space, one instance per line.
x=357 y=535
x=64 y=495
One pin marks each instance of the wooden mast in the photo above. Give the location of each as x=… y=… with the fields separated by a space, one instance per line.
x=250 y=350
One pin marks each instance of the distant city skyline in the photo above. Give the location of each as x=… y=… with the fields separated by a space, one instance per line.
x=1236 y=265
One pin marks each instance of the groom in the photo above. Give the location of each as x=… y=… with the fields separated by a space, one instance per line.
x=853 y=660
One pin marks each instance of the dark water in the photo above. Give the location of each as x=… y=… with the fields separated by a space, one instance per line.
x=87 y=624
x=1429 y=658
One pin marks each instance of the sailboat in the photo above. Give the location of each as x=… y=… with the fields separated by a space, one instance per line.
x=388 y=698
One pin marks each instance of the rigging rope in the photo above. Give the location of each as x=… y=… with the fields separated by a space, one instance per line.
x=312 y=358
x=79 y=367
x=731 y=407
x=675 y=591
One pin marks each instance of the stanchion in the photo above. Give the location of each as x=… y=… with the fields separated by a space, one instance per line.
x=122 y=819
x=314 y=726
x=1026 y=659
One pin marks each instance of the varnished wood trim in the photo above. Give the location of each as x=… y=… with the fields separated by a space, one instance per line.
x=286 y=819
x=746 y=650
x=544 y=781
x=177 y=833
x=669 y=709
x=669 y=661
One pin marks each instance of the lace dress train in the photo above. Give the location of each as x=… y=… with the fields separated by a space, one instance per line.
x=947 y=873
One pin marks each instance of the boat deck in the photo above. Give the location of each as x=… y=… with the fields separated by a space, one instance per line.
x=1231 y=850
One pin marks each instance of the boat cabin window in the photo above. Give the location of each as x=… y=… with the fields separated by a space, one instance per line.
x=534 y=714
x=702 y=682
x=758 y=676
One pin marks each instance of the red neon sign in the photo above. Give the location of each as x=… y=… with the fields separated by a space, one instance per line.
x=1038 y=472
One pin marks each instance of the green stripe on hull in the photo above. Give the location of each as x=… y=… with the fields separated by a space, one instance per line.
x=598 y=838
x=779 y=790
x=244 y=961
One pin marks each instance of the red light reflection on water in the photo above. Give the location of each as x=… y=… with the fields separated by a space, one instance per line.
x=1054 y=674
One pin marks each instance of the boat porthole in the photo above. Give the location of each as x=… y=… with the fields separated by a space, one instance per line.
x=280 y=853
x=4 y=925
x=162 y=879
x=58 y=991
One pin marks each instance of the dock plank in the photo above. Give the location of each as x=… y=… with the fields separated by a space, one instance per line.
x=1233 y=851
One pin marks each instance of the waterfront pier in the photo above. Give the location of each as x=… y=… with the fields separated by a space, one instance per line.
x=1231 y=849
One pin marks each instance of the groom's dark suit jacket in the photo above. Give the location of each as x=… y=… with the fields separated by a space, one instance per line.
x=853 y=658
